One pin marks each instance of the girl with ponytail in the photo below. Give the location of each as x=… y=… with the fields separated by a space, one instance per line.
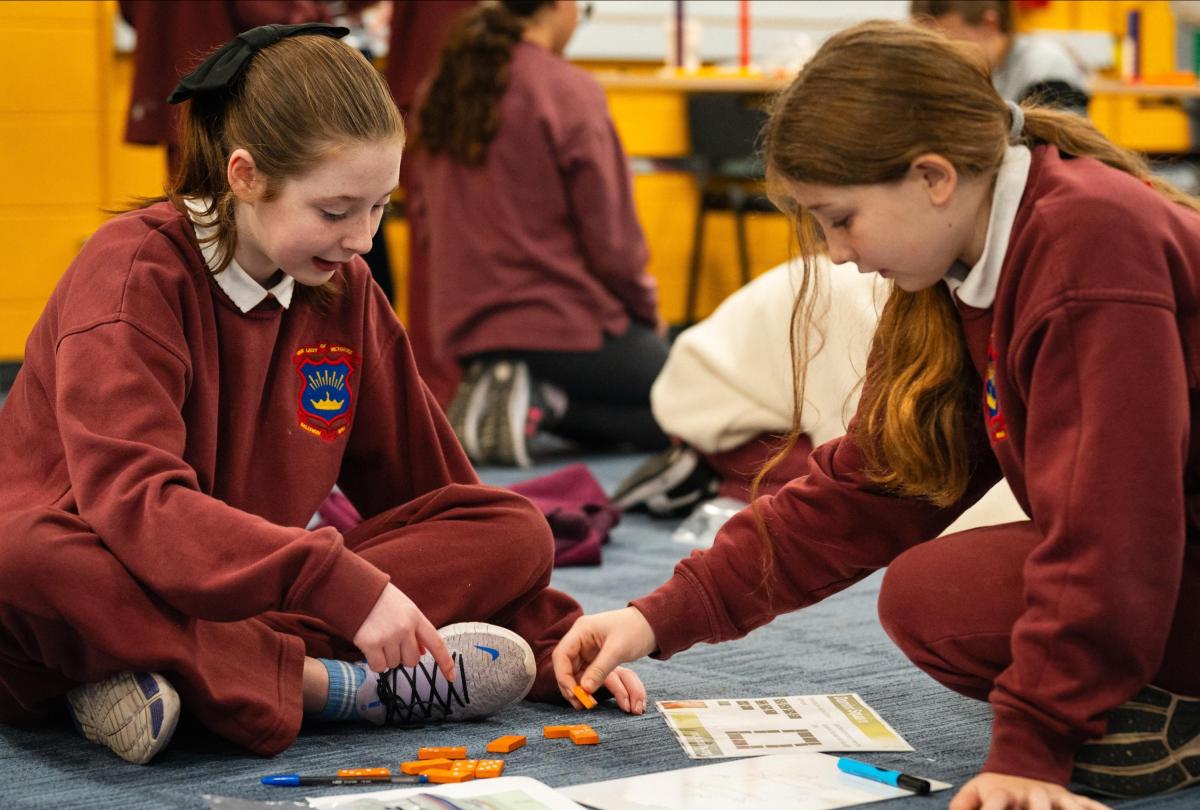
x=1043 y=326
x=207 y=369
x=522 y=209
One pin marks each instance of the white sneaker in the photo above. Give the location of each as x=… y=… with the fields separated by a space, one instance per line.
x=134 y=714
x=495 y=669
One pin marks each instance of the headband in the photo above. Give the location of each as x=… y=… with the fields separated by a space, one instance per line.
x=1017 y=127
x=223 y=66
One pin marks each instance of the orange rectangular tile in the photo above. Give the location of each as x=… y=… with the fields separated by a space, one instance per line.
x=556 y=732
x=422 y=765
x=444 y=752
x=587 y=700
x=506 y=744
x=464 y=765
x=363 y=773
x=441 y=777
x=489 y=768
x=584 y=735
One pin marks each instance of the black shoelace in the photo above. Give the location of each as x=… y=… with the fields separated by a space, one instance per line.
x=402 y=712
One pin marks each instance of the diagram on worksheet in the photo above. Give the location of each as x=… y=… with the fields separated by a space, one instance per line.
x=741 y=727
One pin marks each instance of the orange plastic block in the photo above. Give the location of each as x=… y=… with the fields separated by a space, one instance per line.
x=556 y=732
x=447 y=752
x=421 y=765
x=587 y=700
x=363 y=773
x=506 y=744
x=440 y=777
x=468 y=765
x=584 y=735
x=489 y=768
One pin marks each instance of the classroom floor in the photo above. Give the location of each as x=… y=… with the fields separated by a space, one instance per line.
x=835 y=646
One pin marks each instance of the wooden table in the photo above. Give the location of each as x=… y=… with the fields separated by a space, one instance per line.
x=689 y=83
x=1103 y=86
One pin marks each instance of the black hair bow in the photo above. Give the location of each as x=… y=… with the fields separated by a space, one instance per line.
x=225 y=64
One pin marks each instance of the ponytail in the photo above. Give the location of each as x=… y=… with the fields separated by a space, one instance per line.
x=1075 y=135
x=201 y=176
x=460 y=114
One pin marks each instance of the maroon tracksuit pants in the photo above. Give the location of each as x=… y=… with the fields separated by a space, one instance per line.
x=71 y=613
x=950 y=605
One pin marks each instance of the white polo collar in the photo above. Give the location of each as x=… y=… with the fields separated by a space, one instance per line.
x=977 y=287
x=244 y=291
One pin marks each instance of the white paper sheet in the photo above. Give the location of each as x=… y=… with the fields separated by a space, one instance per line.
x=748 y=727
x=504 y=793
x=791 y=781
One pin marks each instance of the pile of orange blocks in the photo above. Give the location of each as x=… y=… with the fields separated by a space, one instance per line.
x=450 y=764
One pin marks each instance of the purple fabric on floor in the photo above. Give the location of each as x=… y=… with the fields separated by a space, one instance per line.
x=338 y=512
x=574 y=503
x=578 y=511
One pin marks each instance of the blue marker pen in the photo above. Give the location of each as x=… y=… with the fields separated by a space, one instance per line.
x=893 y=778
x=296 y=780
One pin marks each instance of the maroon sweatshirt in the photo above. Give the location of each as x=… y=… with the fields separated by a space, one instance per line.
x=1091 y=349
x=539 y=248
x=198 y=440
x=173 y=38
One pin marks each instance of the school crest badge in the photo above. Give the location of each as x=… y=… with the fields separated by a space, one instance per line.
x=326 y=388
x=997 y=427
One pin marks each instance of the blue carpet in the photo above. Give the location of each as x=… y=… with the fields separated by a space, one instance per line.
x=835 y=646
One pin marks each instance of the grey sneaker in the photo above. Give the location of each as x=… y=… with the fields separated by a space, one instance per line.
x=466 y=410
x=134 y=714
x=503 y=430
x=495 y=669
x=1152 y=746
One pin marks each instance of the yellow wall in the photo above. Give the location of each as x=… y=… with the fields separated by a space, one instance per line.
x=52 y=133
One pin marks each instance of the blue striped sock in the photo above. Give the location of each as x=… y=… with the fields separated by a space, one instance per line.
x=345 y=679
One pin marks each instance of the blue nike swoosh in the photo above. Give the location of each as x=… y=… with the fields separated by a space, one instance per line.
x=493 y=653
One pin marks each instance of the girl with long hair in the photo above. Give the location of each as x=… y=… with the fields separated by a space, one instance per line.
x=523 y=209
x=208 y=367
x=1043 y=326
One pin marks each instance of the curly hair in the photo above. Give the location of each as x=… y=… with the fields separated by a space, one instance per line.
x=460 y=114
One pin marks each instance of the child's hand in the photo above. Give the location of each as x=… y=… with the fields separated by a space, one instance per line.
x=396 y=633
x=595 y=645
x=628 y=689
x=997 y=791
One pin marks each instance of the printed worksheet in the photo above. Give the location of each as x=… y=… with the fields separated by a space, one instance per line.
x=747 y=727
x=795 y=782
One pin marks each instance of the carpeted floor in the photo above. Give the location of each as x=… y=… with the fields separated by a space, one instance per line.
x=832 y=647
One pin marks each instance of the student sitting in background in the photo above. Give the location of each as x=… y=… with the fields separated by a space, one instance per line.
x=727 y=395
x=1024 y=67
x=205 y=371
x=1042 y=327
x=538 y=279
